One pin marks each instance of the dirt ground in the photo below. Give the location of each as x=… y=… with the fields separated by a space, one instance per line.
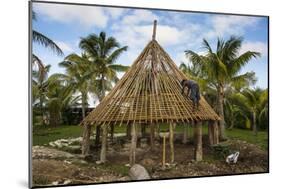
x=57 y=167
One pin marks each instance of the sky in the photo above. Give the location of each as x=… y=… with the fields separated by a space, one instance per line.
x=176 y=32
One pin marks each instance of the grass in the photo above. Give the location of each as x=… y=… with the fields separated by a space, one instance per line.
x=261 y=139
x=44 y=135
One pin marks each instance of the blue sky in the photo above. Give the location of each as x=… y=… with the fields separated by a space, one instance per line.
x=176 y=32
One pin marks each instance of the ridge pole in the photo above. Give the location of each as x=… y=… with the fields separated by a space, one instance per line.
x=154 y=29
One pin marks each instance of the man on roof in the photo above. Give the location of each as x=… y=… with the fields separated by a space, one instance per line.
x=193 y=91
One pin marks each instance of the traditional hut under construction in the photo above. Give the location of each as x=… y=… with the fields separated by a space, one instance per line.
x=149 y=93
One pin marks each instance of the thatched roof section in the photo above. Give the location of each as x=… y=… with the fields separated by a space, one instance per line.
x=150 y=91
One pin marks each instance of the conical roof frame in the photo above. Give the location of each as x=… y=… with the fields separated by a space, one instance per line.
x=149 y=92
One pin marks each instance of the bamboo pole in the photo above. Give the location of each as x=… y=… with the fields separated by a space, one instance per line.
x=198 y=139
x=103 y=145
x=133 y=145
x=171 y=137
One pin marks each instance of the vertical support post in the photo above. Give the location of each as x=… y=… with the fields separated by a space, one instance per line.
x=154 y=29
x=133 y=145
x=128 y=131
x=111 y=132
x=164 y=152
x=184 y=139
x=143 y=128
x=198 y=139
x=97 y=142
x=211 y=132
x=152 y=135
x=103 y=144
x=216 y=132
x=171 y=137
x=86 y=140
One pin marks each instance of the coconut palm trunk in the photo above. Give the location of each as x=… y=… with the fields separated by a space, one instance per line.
x=221 y=112
x=84 y=101
x=98 y=128
x=254 y=122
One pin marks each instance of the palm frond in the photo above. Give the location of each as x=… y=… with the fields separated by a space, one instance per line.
x=46 y=42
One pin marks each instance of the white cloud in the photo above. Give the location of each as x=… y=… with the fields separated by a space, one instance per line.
x=65 y=47
x=87 y=16
x=139 y=16
x=115 y=12
x=254 y=46
x=233 y=25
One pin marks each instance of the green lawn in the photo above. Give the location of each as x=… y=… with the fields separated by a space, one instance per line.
x=43 y=135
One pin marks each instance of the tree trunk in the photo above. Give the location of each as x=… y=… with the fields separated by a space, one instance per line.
x=83 y=105
x=86 y=140
x=211 y=132
x=221 y=112
x=42 y=111
x=103 y=145
x=98 y=129
x=54 y=119
x=184 y=139
x=133 y=145
x=152 y=135
x=198 y=143
x=254 y=123
x=172 y=155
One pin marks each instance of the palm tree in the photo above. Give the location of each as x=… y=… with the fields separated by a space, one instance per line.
x=44 y=41
x=79 y=72
x=103 y=53
x=221 y=68
x=59 y=97
x=255 y=102
x=39 y=88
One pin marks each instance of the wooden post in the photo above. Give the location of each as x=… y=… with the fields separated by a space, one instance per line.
x=198 y=139
x=103 y=144
x=133 y=145
x=143 y=127
x=211 y=132
x=164 y=152
x=152 y=135
x=171 y=137
x=128 y=131
x=154 y=29
x=216 y=132
x=86 y=140
x=184 y=139
x=111 y=132
x=97 y=141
